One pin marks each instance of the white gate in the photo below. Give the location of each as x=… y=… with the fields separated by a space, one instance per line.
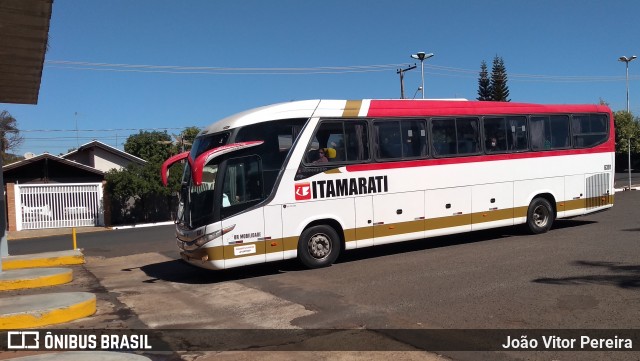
x=58 y=205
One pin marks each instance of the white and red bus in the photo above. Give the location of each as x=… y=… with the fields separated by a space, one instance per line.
x=310 y=179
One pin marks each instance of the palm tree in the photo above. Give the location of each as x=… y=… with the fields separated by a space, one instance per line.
x=10 y=137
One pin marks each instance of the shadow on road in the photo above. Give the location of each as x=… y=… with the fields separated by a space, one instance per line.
x=621 y=275
x=452 y=240
x=179 y=271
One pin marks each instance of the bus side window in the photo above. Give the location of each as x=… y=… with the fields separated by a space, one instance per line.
x=495 y=139
x=389 y=142
x=414 y=138
x=559 y=131
x=550 y=132
x=539 y=138
x=347 y=140
x=356 y=139
x=444 y=137
x=468 y=135
x=589 y=130
x=517 y=133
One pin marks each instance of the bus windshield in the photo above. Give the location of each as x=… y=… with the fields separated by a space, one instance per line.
x=196 y=204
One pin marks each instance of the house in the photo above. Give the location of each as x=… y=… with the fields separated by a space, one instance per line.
x=48 y=191
x=48 y=168
x=102 y=157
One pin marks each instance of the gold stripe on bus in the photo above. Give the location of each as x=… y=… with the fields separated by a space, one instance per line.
x=394 y=229
x=520 y=212
x=601 y=201
x=361 y=233
x=492 y=215
x=352 y=108
x=447 y=222
x=214 y=253
x=290 y=243
x=572 y=205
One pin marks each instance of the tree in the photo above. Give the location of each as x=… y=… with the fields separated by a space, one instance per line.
x=189 y=135
x=137 y=191
x=150 y=146
x=10 y=137
x=484 y=84
x=499 y=88
x=626 y=127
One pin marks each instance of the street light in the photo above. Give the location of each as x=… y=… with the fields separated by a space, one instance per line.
x=626 y=61
x=422 y=56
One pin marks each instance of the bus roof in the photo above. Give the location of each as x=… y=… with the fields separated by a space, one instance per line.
x=391 y=108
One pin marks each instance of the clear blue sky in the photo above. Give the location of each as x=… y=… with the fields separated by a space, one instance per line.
x=555 y=52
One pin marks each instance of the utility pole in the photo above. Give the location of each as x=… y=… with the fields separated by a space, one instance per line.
x=401 y=72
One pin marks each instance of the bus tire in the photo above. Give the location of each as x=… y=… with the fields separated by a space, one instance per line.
x=540 y=216
x=318 y=246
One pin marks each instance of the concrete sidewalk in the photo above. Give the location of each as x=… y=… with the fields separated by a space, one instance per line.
x=44 y=259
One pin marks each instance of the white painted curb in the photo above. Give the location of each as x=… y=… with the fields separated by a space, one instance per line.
x=144 y=225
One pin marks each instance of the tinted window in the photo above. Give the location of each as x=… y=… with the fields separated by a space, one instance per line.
x=549 y=132
x=243 y=185
x=455 y=136
x=278 y=136
x=589 y=130
x=339 y=141
x=517 y=134
x=400 y=139
x=495 y=134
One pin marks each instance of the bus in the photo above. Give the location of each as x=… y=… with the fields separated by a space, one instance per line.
x=310 y=179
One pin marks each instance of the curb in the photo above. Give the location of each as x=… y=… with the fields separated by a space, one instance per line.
x=34 y=278
x=144 y=225
x=48 y=259
x=43 y=310
x=616 y=190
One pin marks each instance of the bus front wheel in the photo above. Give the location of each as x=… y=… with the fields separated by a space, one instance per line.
x=540 y=216
x=318 y=246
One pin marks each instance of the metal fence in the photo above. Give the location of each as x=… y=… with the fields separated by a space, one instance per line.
x=59 y=205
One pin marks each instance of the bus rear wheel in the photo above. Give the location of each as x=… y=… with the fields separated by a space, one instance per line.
x=318 y=246
x=540 y=216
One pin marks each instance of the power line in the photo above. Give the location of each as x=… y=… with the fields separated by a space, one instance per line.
x=438 y=70
x=175 y=69
x=99 y=130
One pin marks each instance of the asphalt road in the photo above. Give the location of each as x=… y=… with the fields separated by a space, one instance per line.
x=583 y=274
x=622 y=179
x=109 y=243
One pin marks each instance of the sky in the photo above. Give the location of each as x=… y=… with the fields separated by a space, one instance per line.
x=115 y=67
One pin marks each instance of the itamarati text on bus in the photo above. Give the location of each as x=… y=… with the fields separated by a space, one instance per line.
x=311 y=179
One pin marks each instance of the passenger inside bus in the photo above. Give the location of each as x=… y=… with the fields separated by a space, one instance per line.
x=322 y=158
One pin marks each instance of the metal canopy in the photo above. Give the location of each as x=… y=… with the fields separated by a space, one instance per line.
x=24 y=31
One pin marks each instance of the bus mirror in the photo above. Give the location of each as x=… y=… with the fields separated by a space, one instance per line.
x=207 y=156
x=164 y=173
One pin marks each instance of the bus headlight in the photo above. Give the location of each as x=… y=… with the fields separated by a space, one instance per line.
x=197 y=243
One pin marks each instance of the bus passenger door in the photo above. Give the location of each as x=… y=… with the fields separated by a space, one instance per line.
x=448 y=211
x=398 y=217
x=492 y=205
x=243 y=224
